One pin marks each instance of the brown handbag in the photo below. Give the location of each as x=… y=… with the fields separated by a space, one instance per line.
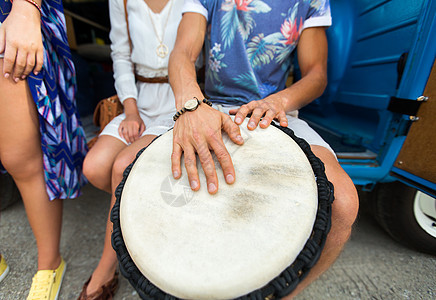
x=106 y=110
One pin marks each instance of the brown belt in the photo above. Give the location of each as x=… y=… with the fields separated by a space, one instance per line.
x=152 y=79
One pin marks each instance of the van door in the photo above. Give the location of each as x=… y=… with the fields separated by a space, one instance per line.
x=416 y=163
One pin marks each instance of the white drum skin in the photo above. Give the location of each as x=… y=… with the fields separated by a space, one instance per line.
x=194 y=245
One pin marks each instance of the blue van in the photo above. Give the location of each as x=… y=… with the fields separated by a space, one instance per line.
x=379 y=110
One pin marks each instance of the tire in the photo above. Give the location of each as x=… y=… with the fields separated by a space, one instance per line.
x=9 y=192
x=396 y=208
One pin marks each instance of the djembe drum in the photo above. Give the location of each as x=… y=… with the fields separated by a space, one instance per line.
x=254 y=239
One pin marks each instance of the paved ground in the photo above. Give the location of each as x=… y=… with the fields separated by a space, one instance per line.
x=372 y=266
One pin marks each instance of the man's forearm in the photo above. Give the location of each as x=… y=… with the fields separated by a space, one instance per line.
x=181 y=69
x=183 y=78
x=312 y=59
x=304 y=91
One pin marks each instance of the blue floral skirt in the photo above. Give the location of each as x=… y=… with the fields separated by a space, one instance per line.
x=53 y=89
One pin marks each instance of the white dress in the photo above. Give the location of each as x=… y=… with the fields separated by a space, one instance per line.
x=155 y=101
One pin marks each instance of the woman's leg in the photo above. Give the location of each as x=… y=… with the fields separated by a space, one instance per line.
x=98 y=163
x=21 y=155
x=108 y=261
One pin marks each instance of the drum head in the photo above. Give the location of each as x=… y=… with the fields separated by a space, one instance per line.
x=193 y=245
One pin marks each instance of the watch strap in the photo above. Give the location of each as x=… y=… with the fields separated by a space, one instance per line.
x=183 y=110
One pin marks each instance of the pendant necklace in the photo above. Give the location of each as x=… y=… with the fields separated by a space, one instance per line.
x=162 y=49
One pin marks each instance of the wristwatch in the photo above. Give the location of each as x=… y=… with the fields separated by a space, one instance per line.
x=190 y=105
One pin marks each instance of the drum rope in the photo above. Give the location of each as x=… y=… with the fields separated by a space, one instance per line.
x=279 y=287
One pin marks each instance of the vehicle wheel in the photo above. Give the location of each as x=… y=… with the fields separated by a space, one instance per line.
x=9 y=191
x=407 y=214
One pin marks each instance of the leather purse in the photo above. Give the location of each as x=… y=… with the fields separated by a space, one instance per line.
x=106 y=110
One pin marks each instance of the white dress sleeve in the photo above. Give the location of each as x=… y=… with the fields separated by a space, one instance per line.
x=121 y=54
x=194 y=6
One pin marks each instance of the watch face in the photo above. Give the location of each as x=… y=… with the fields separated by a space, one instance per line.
x=191 y=104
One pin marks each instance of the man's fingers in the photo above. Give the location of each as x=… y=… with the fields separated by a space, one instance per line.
x=255 y=117
x=201 y=145
x=233 y=111
x=175 y=160
x=232 y=130
x=283 y=119
x=220 y=150
x=191 y=168
x=208 y=166
x=243 y=111
x=267 y=119
x=225 y=161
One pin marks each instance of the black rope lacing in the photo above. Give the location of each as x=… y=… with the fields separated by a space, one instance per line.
x=277 y=288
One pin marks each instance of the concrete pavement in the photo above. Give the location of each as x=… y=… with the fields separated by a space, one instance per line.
x=372 y=266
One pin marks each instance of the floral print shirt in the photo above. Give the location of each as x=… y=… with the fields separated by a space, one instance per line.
x=249 y=44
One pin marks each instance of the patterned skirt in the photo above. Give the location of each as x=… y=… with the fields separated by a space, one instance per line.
x=53 y=89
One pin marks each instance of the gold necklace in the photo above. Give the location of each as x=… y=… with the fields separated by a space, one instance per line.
x=162 y=49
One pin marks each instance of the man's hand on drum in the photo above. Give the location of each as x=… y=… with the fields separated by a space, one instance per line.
x=132 y=127
x=199 y=132
x=21 y=41
x=269 y=108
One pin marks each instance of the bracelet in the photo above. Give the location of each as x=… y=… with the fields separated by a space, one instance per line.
x=190 y=105
x=34 y=4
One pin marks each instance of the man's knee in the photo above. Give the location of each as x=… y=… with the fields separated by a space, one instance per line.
x=344 y=211
x=346 y=203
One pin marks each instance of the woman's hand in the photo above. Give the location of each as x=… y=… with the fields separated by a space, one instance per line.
x=21 y=41
x=270 y=108
x=200 y=132
x=132 y=127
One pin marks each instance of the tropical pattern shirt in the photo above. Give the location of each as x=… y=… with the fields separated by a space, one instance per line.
x=249 y=44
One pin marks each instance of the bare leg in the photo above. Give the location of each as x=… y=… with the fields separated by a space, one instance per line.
x=108 y=261
x=98 y=163
x=21 y=155
x=344 y=212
